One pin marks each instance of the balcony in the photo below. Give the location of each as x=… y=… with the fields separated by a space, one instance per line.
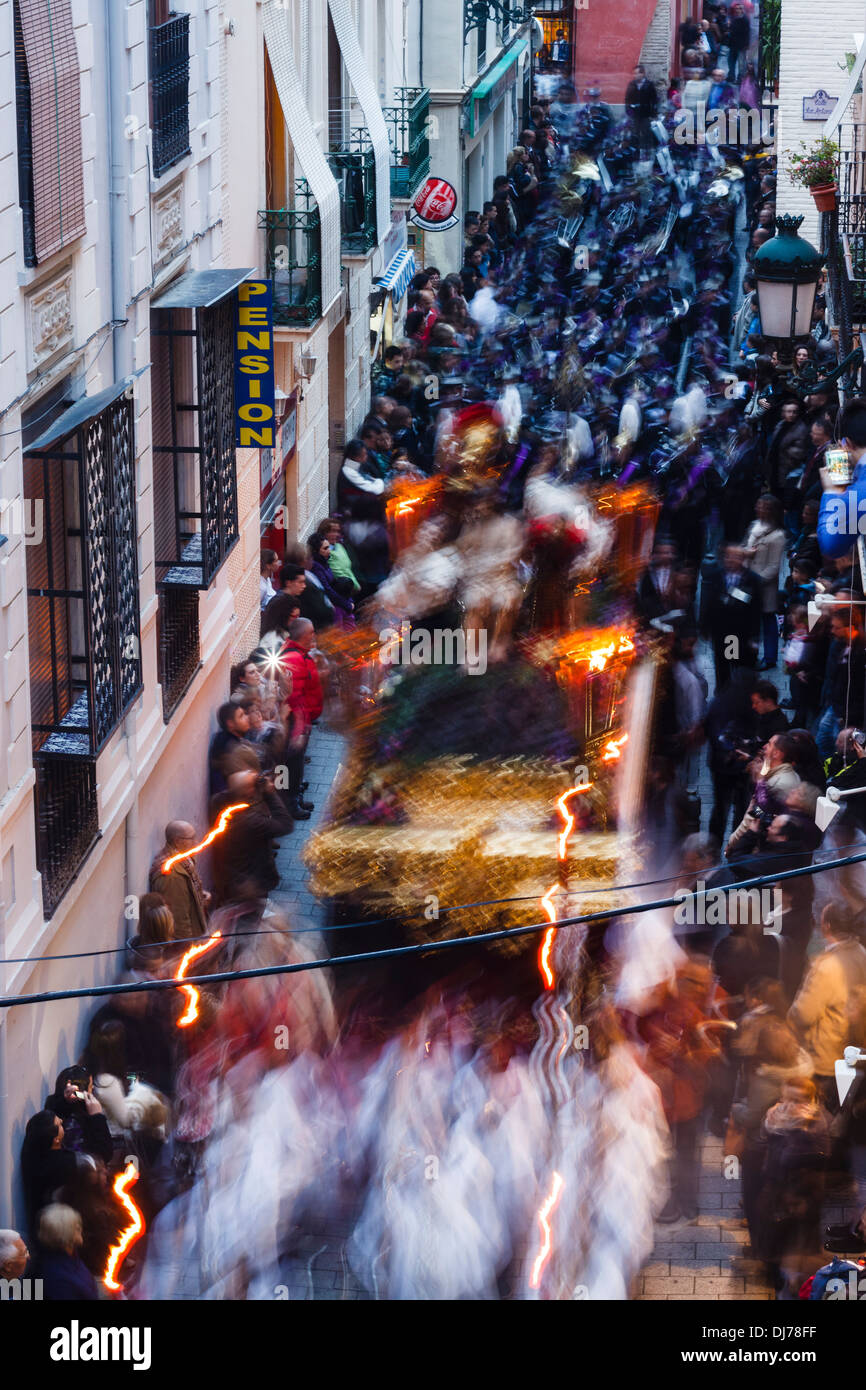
x=67 y=823
x=178 y=644
x=169 y=92
x=851 y=313
x=293 y=255
x=353 y=165
x=410 y=144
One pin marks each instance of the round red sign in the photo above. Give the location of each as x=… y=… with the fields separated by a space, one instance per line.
x=435 y=202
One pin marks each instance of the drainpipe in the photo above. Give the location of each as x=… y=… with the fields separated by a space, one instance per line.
x=122 y=133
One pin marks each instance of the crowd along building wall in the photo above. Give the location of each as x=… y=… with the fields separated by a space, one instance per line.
x=80 y=319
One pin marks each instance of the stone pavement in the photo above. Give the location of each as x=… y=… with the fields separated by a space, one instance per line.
x=324 y=753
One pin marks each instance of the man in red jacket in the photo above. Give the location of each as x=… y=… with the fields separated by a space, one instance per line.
x=304 y=705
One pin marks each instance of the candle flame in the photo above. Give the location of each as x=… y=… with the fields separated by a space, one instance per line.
x=613 y=748
x=218 y=829
x=546 y=1210
x=190 y=1014
x=562 y=851
x=132 y=1232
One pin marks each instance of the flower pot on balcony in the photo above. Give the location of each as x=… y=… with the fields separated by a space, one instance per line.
x=824 y=195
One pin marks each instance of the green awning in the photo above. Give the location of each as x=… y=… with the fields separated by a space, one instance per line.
x=486 y=94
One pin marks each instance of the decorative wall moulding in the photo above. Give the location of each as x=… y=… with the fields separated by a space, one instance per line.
x=168 y=222
x=49 y=319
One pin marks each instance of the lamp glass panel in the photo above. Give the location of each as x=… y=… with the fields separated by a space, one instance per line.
x=775 y=303
x=805 y=301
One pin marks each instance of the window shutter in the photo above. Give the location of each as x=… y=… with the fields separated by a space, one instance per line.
x=55 y=135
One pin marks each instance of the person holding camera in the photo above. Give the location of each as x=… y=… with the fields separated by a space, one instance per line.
x=776 y=781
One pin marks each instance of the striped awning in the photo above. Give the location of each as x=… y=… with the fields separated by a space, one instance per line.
x=398 y=274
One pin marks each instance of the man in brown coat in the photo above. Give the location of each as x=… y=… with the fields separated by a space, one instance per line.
x=181 y=886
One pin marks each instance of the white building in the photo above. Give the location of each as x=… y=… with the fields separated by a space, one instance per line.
x=479 y=80
x=232 y=140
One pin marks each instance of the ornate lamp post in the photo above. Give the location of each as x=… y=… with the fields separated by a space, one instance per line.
x=787 y=270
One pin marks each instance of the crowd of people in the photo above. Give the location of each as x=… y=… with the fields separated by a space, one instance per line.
x=602 y=312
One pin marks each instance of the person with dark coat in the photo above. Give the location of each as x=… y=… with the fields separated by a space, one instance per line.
x=279 y=612
x=65 y=1277
x=641 y=104
x=731 y=613
x=244 y=855
x=842 y=697
x=84 y=1125
x=731 y=745
x=181 y=887
x=229 y=748
x=787 y=452
x=45 y=1165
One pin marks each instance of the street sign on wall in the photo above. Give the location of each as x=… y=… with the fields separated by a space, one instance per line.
x=434 y=205
x=254 y=366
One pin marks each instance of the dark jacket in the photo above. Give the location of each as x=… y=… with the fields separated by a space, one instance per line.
x=732 y=613
x=641 y=100
x=65 y=1278
x=183 y=891
x=786 y=456
x=844 y=682
x=244 y=856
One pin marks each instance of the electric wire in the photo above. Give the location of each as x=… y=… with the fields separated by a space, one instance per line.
x=420 y=948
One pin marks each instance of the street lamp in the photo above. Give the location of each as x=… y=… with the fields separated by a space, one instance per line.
x=787 y=270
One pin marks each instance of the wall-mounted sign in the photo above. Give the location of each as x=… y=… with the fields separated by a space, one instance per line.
x=818 y=107
x=255 y=419
x=433 y=208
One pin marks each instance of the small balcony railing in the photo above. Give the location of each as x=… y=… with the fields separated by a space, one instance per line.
x=67 y=822
x=407 y=124
x=178 y=643
x=353 y=165
x=852 y=229
x=169 y=87
x=293 y=255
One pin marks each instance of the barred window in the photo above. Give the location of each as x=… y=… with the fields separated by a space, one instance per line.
x=82 y=576
x=48 y=121
x=192 y=383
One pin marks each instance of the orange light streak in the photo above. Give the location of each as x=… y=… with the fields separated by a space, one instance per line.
x=133 y=1231
x=562 y=851
x=191 y=1012
x=567 y=817
x=544 y=954
x=551 y=1202
x=613 y=748
x=218 y=829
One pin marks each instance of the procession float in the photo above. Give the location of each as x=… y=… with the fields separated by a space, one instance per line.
x=497 y=706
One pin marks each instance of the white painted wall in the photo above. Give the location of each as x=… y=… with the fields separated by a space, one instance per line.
x=815 y=39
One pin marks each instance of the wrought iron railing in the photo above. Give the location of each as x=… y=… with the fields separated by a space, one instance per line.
x=67 y=822
x=353 y=165
x=852 y=222
x=407 y=124
x=293 y=255
x=178 y=643
x=169 y=87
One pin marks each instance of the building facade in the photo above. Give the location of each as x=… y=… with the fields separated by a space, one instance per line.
x=154 y=159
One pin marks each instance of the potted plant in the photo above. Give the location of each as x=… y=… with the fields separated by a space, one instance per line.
x=815 y=169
